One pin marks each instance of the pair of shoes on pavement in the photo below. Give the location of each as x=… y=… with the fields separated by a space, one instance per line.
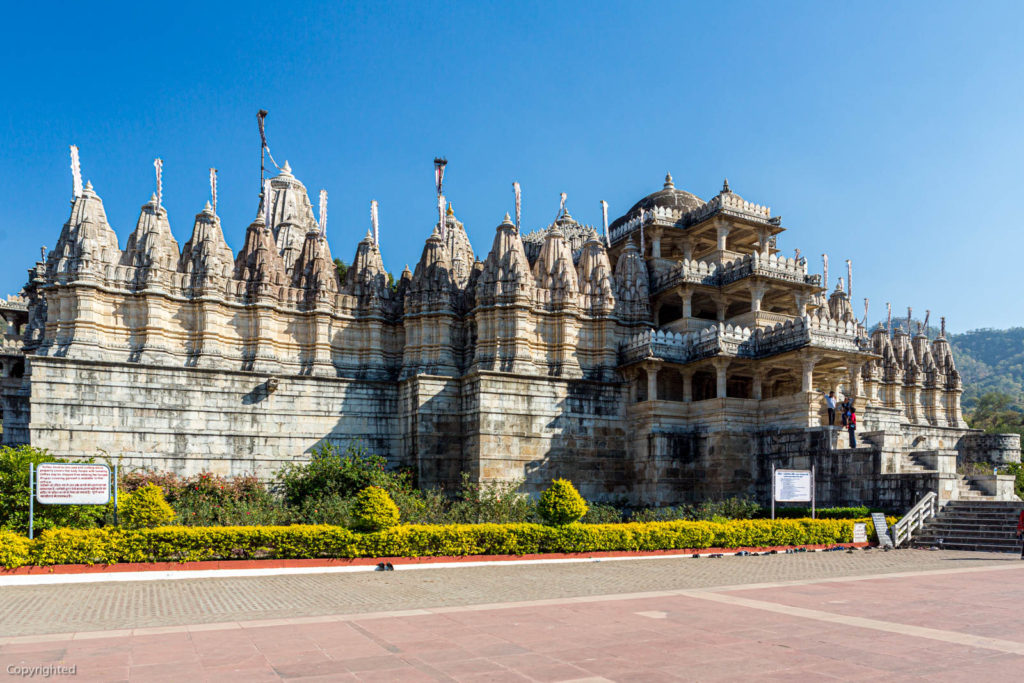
x=385 y=567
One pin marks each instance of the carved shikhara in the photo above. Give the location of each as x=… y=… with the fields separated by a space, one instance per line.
x=649 y=364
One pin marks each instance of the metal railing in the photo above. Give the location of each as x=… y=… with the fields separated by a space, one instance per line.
x=926 y=508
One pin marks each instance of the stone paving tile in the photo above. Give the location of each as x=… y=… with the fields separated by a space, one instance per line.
x=102 y=606
x=683 y=636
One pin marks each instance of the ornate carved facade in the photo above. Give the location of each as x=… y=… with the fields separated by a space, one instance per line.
x=662 y=363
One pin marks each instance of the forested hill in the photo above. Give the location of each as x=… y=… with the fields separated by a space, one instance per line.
x=990 y=360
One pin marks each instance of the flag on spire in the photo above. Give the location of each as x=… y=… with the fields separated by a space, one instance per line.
x=561 y=208
x=76 y=173
x=213 y=189
x=323 y=213
x=266 y=202
x=824 y=261
x=519 y=202
x=849 y=278
x=441 y=227
x=604 y=223
x=373 y=222
x=158 y=164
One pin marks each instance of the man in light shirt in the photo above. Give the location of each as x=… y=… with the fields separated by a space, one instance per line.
x=830 y=401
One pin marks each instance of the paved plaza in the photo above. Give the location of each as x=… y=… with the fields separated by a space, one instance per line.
x=902 y=615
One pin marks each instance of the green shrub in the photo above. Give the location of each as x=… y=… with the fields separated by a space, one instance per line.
x=145 y=508
x=429 y=506
x=14 y=549
x=186 y=544
x=331 y=509
x=602 y=513
x=374 y=510
x=561 y=503
x=857 y=512
x=14 y=495
x=491 y=502
x=331 y=471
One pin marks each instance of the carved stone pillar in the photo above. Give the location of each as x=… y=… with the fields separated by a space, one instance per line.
x=652 y=381
x=686 y=295
x=856 y=388
x=800 y=299
x=721 y=305
x=723 y=236
x=808 y=361
x=688 y=249
x=721 y=364
x=756 y=391
x=687 y=385
x=656 y=242
x=763 y=243
x=757 y=292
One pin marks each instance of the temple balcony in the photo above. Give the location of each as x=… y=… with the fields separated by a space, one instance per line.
x=720 y=271
x=743 y=342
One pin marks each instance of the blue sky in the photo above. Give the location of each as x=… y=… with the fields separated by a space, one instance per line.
x=889 y=134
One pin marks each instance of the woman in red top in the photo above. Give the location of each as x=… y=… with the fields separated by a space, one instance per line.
x=1020 y=533
x=851 y=425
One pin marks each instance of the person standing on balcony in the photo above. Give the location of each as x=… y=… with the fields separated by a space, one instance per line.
x=851 y=425
x=830 y=402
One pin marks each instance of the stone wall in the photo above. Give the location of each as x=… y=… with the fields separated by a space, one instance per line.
x=190 y=420
x=538 y=428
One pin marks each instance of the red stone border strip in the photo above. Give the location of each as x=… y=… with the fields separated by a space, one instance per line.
x=356 y=562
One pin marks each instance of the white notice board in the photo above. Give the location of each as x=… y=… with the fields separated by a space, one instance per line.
x=68 y=483
x=792 y=486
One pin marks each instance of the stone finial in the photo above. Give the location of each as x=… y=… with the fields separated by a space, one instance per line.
x=725 y=187
x=450 y=211
x=42 y=252
x=669 y=185
x=152 y=199
x=88 y=186
x=507 y=220
x=287 y=168
x=208 y=208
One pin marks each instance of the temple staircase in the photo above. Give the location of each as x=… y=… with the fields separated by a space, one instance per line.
x=973 y=523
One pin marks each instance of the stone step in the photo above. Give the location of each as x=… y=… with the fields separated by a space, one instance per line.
x=957 y=526
x=983 y=519
x=1015 y=504
x=971 y=534
x=977 y=547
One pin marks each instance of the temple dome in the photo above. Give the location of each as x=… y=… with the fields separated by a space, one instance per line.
x=668 y=197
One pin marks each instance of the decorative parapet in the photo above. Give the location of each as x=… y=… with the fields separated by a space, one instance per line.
x=742 y=342
x=774 y=266
x=14 y=302
x=687 y=271
x=727 y=204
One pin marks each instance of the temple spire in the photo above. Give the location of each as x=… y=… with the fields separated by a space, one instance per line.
x=669 y=185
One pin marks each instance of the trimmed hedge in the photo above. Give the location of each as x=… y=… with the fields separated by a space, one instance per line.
x=186 y=544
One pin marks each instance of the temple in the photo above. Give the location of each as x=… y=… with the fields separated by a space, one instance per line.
x=675 y=355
